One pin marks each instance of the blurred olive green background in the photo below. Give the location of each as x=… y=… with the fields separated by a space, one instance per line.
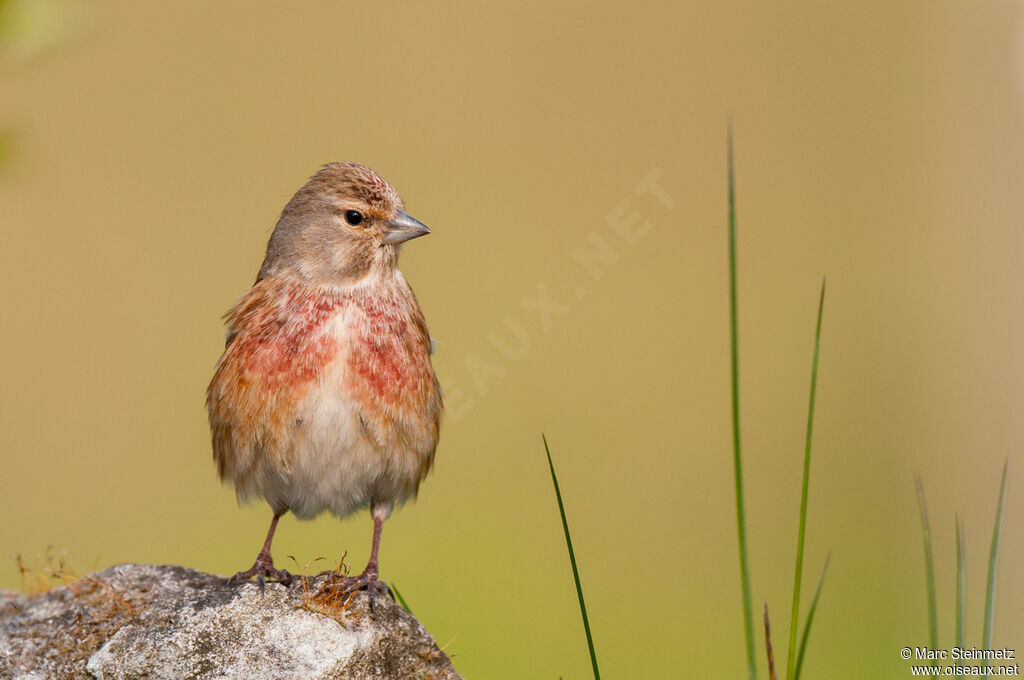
x=150 y=149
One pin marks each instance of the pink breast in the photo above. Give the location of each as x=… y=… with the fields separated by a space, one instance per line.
x=388 y=361
x=285 y=343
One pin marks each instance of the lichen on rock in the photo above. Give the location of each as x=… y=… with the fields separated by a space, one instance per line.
x=161 y=622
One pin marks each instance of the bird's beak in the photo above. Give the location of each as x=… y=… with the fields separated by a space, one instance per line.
x=403 y=228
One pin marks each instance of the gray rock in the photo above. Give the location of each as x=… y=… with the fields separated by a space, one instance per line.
x=136 y=621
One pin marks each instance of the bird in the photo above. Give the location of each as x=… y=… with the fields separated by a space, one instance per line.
x=325 y=398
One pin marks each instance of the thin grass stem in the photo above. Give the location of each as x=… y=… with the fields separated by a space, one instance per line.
x=768 y=644
x=929 y=567
x=741 y=524
x=810 y=619
x=401 y=600
x=795 y=616
x=572 y=561
x=961 y=589
x=993 y=554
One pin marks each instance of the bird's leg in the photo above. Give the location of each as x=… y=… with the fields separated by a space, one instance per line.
x=371 y=571
x=369 y=578
x=263 y=568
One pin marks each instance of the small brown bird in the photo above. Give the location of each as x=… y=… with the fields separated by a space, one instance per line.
x=325 y=398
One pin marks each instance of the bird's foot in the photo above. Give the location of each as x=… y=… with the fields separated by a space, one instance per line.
x=349 y=585
x=263 y=569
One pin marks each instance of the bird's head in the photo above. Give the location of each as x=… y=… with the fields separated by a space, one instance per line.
x=345 y=223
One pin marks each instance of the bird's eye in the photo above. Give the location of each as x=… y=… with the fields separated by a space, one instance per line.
x=353 y=217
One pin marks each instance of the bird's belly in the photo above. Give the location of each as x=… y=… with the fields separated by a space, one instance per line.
x=342 y=457
x=334 y=466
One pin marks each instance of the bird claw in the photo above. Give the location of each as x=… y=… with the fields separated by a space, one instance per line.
x=367 y=581
x=262 y=569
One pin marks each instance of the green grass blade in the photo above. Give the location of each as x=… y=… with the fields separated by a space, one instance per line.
x=572 y=561
x=993 y=554
x=810 y=620
x=794 y=619
x=741 y=523
x=961 y=588
x=929 y=566
x=401 y=600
